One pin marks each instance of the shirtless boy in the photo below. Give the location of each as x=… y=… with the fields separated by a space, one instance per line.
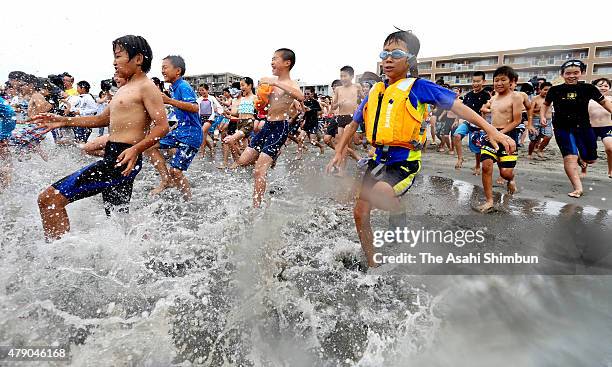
x=265 y=146
x=506 y=107
x=136 y=107
x=539 y=133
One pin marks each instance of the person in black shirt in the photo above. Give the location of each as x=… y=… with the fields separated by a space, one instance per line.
x=571 y=124
x=474 y=99
x=311 y=118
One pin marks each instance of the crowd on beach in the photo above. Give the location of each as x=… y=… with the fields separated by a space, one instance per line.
x=382 y=122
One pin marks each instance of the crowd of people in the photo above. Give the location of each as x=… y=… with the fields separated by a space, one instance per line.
x=380 y=122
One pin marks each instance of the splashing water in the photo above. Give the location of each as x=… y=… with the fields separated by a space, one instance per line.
x=213 y=282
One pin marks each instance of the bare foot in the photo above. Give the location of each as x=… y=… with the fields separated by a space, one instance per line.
x=163 y=185
x=583 y=171
x=511 y=185
x=529 y=156
x=575 y=194
x=486 y=208
x=500 y=181
x=476 y=171
x=459 y=163
x=540 y=153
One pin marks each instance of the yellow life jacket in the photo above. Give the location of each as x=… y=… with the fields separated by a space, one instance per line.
x=390 y=118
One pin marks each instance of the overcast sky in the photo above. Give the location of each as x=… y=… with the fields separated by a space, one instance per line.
x=44 y=37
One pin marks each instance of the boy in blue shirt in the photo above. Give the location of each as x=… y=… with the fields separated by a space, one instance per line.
x=392 y=170
x=186 y=137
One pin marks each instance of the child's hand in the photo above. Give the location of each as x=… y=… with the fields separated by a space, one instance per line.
x=127 y=158
x=497 y=138
x=49 y=121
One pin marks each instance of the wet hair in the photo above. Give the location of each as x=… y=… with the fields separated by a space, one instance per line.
x=287 y=54
x=250 y=82
x=408 y=38
x=369 y=77
x=177 y=61
x=570 y=63
x=507 y=71
x=348 y=69
x=16 y=75
x=310 y=89
x=236 y=85
x=84 y=84
x=106 y=85
x=158 y=83
x=412 y=44
x=336 y=83
x=135 y=45
x=605 y=80
x=226 y=90
x=43 y=83
x=29 y=79
x=204 y=85
x=527 y=88
x=479 y=73
x=545 y=84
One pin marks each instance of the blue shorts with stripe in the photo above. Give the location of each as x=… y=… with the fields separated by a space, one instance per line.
x=102 y=177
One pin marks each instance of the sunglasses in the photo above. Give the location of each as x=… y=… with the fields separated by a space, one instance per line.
x=395 y=54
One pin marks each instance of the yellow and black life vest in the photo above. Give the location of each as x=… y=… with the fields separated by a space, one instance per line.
x=390 y=118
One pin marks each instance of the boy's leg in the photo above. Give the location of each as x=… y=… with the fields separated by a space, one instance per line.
x=487 y=185
x=181 y=182
x=570 y=165
x=159 y=162
x=262 y=165
x=459 y=134
x=380 y=196
x=52 y=206
x=607 y=141
x=508 y=175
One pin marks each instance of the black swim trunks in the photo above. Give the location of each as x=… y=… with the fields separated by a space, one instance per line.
x=344 y=120
x=102 y=177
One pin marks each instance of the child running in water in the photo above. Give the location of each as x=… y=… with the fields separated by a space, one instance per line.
x=398 y=137
x=265 y=146
x=572 y=128
x=7 y=124
x=135 y=107
x=506 y=108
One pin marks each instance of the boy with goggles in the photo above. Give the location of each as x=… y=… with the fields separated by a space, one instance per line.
x=393 y=112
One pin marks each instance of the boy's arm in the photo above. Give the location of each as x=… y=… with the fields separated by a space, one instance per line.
x=530 y=116
x=486 y=108
x=289 y=87
x=51 y=121
x=185 y=106
x=494 y=136
x=349 y=131
x=607 y=104
x=334 y=101
x=153 y=104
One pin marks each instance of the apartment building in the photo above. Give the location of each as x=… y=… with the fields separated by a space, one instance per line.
x=216 y=81
x=457 y=70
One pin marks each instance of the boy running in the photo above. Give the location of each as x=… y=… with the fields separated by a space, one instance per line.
x=506 y=107
x=134 y=109
x=601 y=121
x=186 y=137
x=572 y=129
x=391 y=172
x=265 y=146
x=539 y=133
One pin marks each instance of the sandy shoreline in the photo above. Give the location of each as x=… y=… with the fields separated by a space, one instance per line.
x=536 y=179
